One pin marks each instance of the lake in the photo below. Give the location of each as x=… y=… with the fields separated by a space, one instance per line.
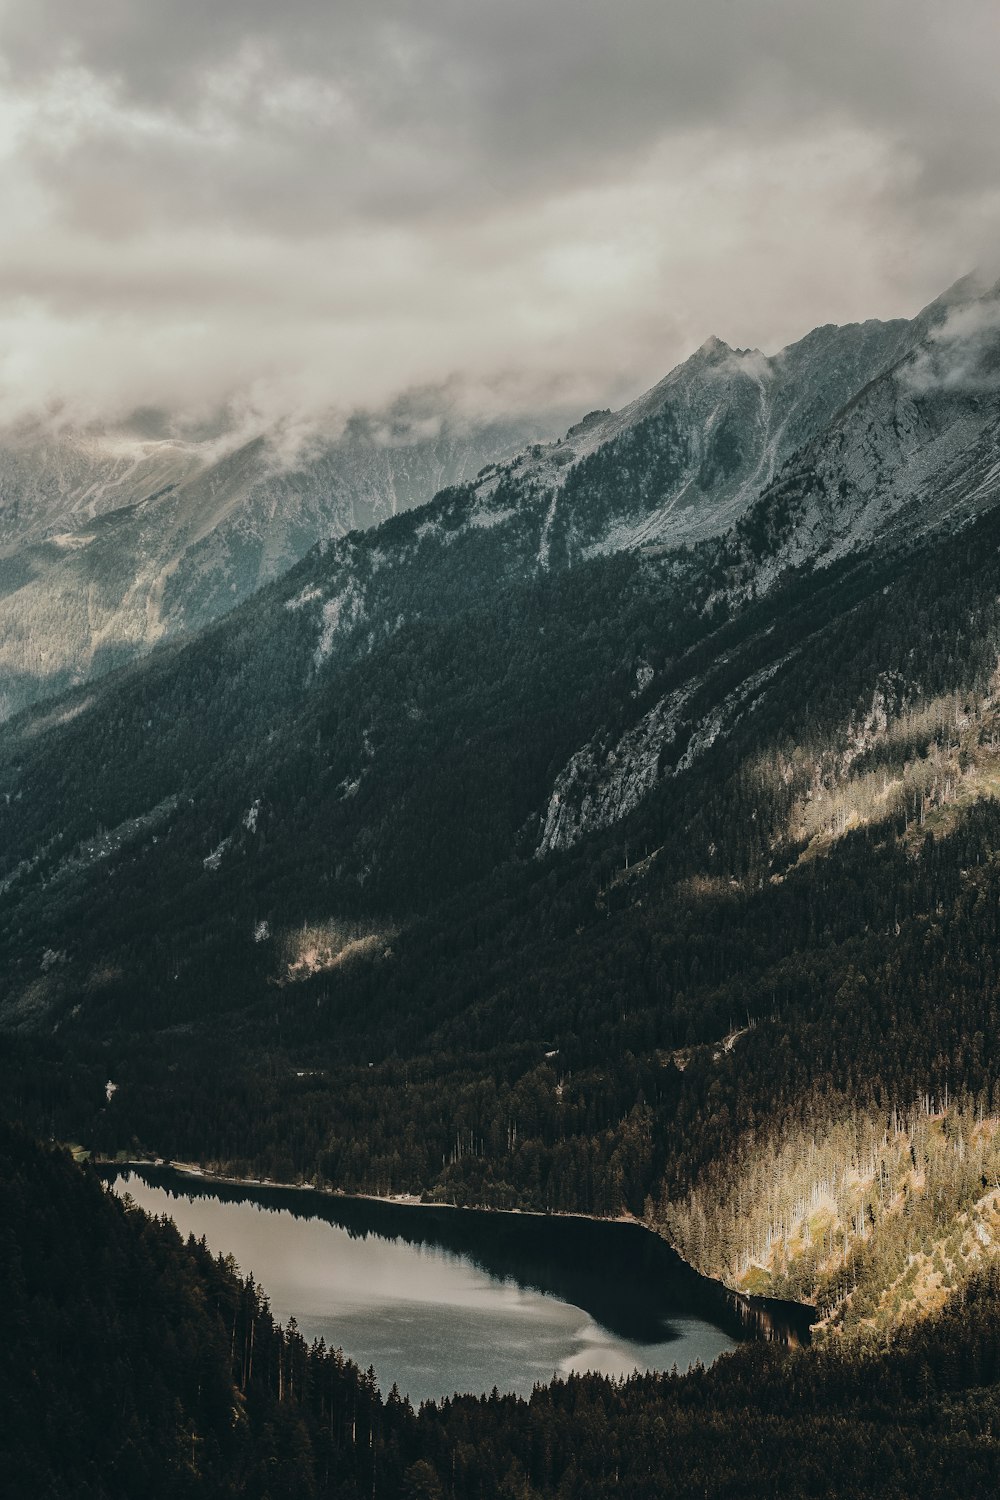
x=442 y=1300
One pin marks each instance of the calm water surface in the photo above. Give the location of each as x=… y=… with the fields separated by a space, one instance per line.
x=494 y=1307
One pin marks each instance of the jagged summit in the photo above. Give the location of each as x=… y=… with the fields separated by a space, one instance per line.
x=974 y=286
x=913 y=452
x=713 y=348
x=722 y=422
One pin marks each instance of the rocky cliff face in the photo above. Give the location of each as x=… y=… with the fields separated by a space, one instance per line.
x=916 y=451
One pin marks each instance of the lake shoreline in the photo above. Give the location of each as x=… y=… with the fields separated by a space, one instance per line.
x=400 y=1200
x=767 y=1319
x=440 y=1303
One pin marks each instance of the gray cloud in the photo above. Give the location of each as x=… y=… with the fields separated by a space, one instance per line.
x=306 y=201
x=963 y=352
x=400 y=109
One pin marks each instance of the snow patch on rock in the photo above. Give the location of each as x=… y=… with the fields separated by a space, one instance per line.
x=543 y=546
x=643 y=677
x=485 y=519
x=308 y=594
x=214 y=860
x=339 y=614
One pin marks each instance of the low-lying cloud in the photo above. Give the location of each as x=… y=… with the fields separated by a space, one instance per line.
x=963 y=352
x=296 y=210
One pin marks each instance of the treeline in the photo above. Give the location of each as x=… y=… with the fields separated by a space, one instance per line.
x=135 y=1364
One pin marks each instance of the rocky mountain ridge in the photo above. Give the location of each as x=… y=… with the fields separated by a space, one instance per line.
x=113 y=541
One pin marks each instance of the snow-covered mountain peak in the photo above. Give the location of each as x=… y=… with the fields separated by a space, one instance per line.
x=917 y=449
x=695 y=451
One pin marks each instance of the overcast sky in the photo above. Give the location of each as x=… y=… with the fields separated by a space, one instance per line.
x=321 y=202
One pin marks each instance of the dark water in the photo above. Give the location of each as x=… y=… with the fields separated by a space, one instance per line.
x=442 y=1300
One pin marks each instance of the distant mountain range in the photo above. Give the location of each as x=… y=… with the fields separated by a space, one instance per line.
x=113 y=540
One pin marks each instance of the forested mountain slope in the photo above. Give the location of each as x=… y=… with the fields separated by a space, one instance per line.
x=459 y=861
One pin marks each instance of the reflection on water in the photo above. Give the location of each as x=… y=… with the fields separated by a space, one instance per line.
x=444 y=1300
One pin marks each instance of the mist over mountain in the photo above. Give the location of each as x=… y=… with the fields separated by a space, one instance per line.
x=113 y=539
